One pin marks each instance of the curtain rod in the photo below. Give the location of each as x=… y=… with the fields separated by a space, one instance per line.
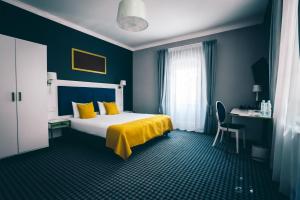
x=188 y=45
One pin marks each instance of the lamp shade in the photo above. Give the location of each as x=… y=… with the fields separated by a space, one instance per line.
x=132 y=15
x=256 y=88
x=51 y=76
x=123 y=83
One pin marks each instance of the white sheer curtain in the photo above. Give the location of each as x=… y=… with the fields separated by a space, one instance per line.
x=186 y=98
x=286 y=162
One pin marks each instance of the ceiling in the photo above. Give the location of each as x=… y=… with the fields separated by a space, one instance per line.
x=169 y=20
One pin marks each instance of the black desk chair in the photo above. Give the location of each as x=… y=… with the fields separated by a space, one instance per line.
x=228 y=127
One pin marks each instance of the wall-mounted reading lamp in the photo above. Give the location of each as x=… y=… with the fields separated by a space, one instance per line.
x=122 y=84
x=51 y=76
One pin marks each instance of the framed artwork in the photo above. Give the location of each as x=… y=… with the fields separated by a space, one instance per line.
x=88 y=62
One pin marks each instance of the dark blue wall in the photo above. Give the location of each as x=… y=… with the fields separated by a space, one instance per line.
x=60 y=39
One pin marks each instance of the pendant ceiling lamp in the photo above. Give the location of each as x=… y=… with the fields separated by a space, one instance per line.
x=132 y=15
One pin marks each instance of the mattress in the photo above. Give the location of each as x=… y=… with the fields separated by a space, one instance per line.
x=98 y=125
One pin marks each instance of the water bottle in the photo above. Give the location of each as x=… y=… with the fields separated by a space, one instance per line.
x=263 y=107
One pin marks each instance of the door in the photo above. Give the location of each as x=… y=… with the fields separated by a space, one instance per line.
x=8 y=112
x=31 y=67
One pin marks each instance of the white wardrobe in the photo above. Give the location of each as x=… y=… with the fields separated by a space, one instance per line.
x=23 y=96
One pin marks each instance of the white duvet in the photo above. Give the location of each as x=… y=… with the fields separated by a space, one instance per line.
x=98 y=125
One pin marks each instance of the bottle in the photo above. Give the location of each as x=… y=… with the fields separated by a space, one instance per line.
x=269 y=109
x=263 y=107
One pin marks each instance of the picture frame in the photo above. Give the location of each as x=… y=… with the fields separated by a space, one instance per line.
x=88 y=62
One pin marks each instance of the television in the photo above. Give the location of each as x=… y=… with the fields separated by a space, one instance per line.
x=260 y=71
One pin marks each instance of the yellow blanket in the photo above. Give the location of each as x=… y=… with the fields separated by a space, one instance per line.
x=122 y=137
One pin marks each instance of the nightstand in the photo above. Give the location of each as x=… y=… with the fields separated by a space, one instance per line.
x=58 y=124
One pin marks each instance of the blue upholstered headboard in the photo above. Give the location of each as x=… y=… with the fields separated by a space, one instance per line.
x=68 y=94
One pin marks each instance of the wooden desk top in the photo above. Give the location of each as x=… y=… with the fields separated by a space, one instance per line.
x=248 y=113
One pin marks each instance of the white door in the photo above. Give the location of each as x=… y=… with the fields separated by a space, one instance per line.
x=31 y=66
x=8 y=112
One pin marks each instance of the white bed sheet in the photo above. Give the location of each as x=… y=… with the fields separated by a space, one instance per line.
x=98 y=125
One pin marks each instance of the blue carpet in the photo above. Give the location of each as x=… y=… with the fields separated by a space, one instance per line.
x=181 y=166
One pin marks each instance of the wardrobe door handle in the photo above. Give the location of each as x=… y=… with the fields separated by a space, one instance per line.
x=13 y=98
x=20 y=96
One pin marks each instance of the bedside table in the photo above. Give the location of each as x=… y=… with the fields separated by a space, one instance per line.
x=58 y=124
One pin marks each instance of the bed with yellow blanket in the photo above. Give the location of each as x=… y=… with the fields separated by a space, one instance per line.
x=124 y=131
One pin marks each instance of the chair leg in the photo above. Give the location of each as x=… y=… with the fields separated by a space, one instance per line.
x=222 y=133
x=217 y=135
x=244 y=139
x=237 y=141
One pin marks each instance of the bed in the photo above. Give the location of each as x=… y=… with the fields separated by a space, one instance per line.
x=122 y=131
x=98 y=126
x=125 y=130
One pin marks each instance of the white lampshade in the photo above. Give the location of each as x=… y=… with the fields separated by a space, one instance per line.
x=50 y=77
x=256 y=88
x=122 y=83
x=132 y=15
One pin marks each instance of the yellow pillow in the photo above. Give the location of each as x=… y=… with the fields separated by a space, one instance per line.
x=86 y=111
x=111 y=108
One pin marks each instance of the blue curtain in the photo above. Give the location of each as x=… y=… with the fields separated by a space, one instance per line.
x=162 y=54
x=275 y=33
x=210 y=48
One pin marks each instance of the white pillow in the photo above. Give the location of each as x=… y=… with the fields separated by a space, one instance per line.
x=75 y=110
x=101 y=107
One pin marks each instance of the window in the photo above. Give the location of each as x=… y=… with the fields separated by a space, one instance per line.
x=186 y=87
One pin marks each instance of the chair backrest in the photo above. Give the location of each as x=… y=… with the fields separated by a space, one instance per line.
x=220 y=112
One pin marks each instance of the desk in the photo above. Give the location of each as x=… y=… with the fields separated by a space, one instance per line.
x=248 y=113
x=258 y=152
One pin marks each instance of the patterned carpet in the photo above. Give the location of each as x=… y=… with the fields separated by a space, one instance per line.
x=181 y=166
